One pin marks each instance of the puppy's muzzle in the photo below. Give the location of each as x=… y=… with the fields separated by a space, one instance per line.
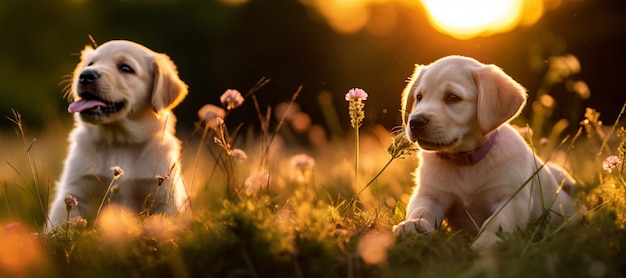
x=88 y=77
x=417 y=123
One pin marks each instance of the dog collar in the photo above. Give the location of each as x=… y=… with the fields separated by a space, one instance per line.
x=467 y=158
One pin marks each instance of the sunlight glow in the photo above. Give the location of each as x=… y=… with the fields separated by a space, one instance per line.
x=464 y=19
x=461 y=19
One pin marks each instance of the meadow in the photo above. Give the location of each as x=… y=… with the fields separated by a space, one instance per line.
x=289 y=198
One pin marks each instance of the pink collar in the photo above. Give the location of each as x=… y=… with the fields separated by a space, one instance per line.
x=467 y=158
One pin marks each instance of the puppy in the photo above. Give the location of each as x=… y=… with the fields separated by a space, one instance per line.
x=122 y=96
x=475 y=171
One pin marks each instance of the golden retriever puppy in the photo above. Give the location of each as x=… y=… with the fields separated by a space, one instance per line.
x=475 y=171
x=122 y=96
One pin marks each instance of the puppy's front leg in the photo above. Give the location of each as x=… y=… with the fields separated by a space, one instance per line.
x=423 y=214
x=513 y=215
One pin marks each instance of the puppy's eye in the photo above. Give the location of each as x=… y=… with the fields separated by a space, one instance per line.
x=90 y=64
x=452 y=98
x=418 y=98
x=126 y=68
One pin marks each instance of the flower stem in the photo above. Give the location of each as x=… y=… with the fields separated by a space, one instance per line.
x=67 y=224
x=356 y=157
x=353 y=200
x=106 y=193
x=375 y=177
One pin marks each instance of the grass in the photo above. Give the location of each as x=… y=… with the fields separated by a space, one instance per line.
x=292 y=208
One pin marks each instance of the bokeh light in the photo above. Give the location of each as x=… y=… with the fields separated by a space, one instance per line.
x=461 y=19
x=465 y=19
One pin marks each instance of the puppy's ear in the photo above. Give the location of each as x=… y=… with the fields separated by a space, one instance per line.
x=408 y=100
x=168 y=90
x=500 y=98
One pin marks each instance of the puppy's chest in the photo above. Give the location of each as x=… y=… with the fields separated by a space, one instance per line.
x=467 y=186
x=471 y=199
x=137 y=162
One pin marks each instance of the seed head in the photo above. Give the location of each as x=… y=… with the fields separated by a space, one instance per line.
x=401 y=147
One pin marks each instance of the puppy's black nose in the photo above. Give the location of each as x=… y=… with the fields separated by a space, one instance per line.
x=87 y=77
x=418 y=122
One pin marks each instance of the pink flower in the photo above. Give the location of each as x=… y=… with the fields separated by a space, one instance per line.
x=212 y=115
x=610 y=163
x=356 y=94
x=232 y=99
x=70 y=202
x=117 y=171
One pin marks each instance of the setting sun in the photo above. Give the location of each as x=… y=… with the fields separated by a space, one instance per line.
x=465 y=19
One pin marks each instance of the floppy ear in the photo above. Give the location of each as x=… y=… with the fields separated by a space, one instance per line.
x=168 y=90
x=500 y=98
x=407 y=100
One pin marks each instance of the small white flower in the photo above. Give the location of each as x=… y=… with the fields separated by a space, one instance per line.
x=302 y=166
x=302 y=162
x=610 y=163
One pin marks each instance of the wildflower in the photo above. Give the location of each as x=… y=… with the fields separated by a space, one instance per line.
x=302 y=166
x=117 y=171
x=70 y=202
x=232 y=99
x=238 y=155
x=212 y=115
x=610 y=163
x=161 y=179
x=401 y=147
x=355 y=97
x=302 y=162
x=256 y=182
x=78 y=222
x=356 y=94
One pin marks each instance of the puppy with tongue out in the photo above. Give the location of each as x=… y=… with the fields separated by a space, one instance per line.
x=122 y=96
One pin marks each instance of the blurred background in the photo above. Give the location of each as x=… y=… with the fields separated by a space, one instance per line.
x=327 y=46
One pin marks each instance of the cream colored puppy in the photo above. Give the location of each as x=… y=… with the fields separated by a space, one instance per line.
x=472 y=162
x=122 y=95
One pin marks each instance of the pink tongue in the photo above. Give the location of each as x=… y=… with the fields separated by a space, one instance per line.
x=83 y=104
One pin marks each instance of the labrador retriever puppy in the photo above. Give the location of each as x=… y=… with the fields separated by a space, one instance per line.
x=122 y=96
x=476 y=172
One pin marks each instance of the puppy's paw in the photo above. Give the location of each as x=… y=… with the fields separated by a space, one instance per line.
x=414 y=227
x=485 y=241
